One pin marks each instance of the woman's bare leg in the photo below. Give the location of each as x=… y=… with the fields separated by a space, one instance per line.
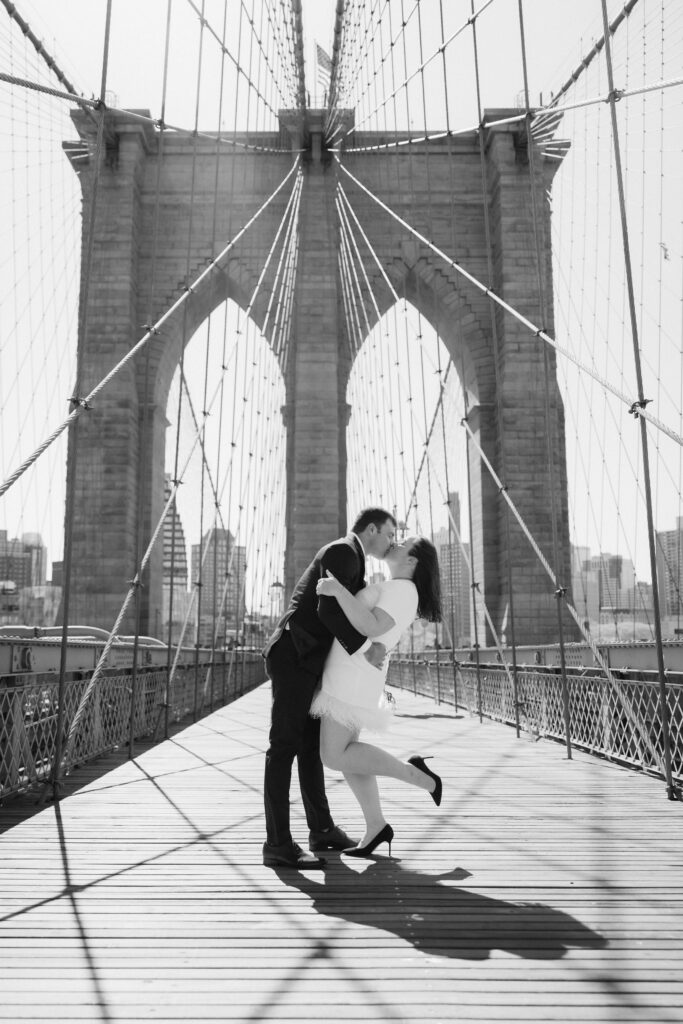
x=366 y=792
x=341 y=750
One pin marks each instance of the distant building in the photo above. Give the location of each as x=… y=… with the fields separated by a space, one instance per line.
x=9 y=603
x=669 y=563
x=39 y=606
x=455 y=581
x=23 y=560
x=33 y=546
x=221 y=564
x=606 y=593
x=585 y=586
x=175 y=576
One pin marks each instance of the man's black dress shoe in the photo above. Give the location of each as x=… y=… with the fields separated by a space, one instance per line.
x=289 y=855
x=334 y=839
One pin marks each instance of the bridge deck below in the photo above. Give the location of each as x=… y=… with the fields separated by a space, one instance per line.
x=542 y=889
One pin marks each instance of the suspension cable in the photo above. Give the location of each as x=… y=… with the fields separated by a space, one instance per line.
x=133 y=586
x=52 y=64
x=496 y=368
x=672 y=791
x=72 y=439
x=637 y=408
x=633 y=716
x=84 y=404
x=438 y=52
x=552 y=441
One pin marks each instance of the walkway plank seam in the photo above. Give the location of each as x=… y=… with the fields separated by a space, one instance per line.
x=541 y=889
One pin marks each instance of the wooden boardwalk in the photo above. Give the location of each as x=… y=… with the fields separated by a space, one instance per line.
x=542 y=889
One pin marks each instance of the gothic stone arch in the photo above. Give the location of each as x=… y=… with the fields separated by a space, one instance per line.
x=438 y=190
x=427 y=187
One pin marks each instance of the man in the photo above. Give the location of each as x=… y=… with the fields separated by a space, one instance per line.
x=295 y=655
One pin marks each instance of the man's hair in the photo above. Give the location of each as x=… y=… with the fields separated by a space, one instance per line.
x=375 y=516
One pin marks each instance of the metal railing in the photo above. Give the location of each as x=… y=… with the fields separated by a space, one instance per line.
x=111 y=717
x=619 y=720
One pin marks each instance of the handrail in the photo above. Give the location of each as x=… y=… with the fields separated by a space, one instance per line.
x=598 y=724
x=29 y=711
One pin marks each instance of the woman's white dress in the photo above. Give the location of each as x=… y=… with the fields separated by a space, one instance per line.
x=351 y=690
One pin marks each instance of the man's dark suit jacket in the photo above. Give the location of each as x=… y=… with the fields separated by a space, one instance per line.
x=314 y=622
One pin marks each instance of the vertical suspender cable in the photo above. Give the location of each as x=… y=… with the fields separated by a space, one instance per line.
x=474 y=586
x=214 y=586
x=198 y=583
x=144 y=425
x=496 y=364
x=673 y=792
x=72 y=447
x=551 y=435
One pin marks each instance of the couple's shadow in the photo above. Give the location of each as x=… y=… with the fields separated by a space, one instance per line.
x=440 y=919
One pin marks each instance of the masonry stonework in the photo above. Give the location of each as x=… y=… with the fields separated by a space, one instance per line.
x=164 y=211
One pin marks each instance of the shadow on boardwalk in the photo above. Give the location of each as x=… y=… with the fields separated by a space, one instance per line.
x=439 y=918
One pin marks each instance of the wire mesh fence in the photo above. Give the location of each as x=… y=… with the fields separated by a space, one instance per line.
x=620 y=719
x=123 y=707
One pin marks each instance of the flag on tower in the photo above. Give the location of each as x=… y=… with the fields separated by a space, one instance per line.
x=324 y=68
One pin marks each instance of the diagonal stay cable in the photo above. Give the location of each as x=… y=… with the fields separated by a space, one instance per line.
x=543 y=116
x=636 y=721
x=371 y=249
x=134 y=115
x=353 y=258
x=427 y=458
x=84 y=403
x=290 y=213
x=47 y=57
x=418 y=70
x=593 y=52
x=550 y=111
x=634 y=406
x=135 y=582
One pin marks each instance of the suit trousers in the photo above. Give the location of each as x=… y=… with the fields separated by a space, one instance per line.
x=293 y=733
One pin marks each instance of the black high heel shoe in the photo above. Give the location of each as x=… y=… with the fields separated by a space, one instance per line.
x=385 y=835
x=419 y=762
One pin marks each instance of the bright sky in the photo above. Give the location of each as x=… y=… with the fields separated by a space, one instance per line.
x=559 y=34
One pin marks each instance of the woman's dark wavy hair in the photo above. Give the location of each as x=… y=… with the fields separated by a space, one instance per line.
x=427 y=579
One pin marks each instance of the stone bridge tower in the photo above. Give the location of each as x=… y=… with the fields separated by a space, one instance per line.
x=437 y=189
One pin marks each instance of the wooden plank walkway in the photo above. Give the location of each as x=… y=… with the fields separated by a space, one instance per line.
x=542 y=889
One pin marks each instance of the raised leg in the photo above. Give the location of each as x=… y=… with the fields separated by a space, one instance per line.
x=341 y=750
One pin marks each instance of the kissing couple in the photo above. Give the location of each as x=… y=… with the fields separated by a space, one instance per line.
x=327 y=662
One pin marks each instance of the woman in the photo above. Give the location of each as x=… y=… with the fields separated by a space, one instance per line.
x=351 y=696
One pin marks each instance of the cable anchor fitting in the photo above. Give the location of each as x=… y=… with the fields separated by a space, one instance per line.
x=150 y=328
x=560 y=593
x=615 y=94
x=640 y=404
x=80 y=403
